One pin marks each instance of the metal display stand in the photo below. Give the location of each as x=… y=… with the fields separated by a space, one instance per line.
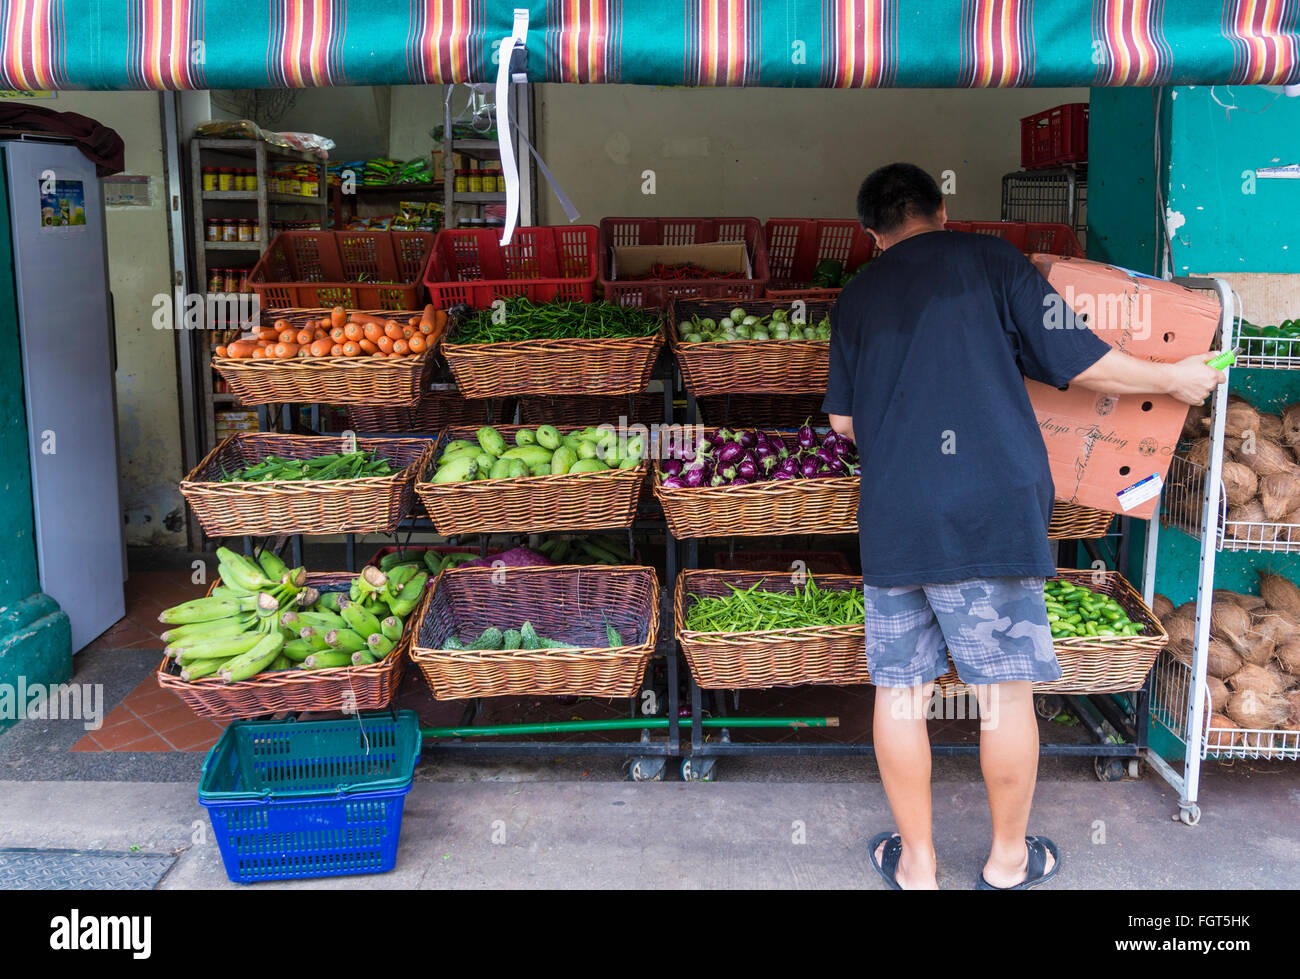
x=1193 y=502
x=1058 y=195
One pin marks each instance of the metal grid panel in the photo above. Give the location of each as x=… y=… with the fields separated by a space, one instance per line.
x=1054 y=196
x=1183 y=498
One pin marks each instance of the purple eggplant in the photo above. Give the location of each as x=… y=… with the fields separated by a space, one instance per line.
x=719 y=479
x=674 y=482
x=842 y=448
x=790 y=467
x=694 y=476
x=730 y=453
x=808 y=468
x=768 y=464
x=747 y=437
x=763 y=452
x=747 y=470
x=741 y=481
x=829 y=459
x=807 y=437
x=782 y=474
x=672 y=466
x=831 y=438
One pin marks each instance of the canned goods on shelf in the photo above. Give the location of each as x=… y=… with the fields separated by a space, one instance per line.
x=461 y=183
x=212 y=229
x=250 y=180
x=209 y=178
x=232 y=280
x=216 y=280
x=225 y=178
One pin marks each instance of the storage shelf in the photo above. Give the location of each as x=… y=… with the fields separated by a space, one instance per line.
x=234 y=246
x=294 y=199
x=1184 y=496
x=495 y=197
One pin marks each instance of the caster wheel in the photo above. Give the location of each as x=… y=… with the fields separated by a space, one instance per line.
x=1134 y=769
x=698 y=769
x=1048 y=705
x=1109 y=769
x=647 y=770
x=1190 y=816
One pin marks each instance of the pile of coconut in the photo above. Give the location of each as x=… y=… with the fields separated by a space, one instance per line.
x=1253 y=667
x=1261 y=478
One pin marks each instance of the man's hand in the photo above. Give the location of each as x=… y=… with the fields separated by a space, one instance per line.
x=1192 y=380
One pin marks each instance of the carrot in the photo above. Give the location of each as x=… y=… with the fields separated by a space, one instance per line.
x=304 y=352
x=367 y=318
x=284 y=351
x=400 y=348
x=338 y=316
x=414 y=321
x=368 y=346
x=393 y=330
x=416 y=344
x=221 y=350
x=439 y=320
x=240 y=349
x=373 y=331
x=408 y=332
x=304 y=338
x=336 y=350
x=319 y=334
x=337 y=334
x=354 y=332
x=259 y=353
x=321 y=347
x=267 y=333
x=288 y=336
x=282 y=325
x=385 y=345
x=350 y=349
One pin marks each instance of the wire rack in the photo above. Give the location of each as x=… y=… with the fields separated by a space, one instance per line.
x=1270 y=353
x=1058 y=196
x=1184 y=496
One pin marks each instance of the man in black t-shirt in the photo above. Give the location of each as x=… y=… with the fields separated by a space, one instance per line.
x=930 y=345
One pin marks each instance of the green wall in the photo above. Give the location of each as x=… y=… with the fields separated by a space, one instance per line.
x=1122 y=227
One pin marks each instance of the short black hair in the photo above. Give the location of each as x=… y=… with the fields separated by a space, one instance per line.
x=896 y=193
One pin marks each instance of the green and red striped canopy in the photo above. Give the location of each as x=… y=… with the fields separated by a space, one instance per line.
x=198 y=44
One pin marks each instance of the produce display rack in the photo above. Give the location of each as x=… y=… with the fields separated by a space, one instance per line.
x=1191 y=502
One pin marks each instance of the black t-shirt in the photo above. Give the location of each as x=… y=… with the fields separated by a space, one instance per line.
x=928 y=347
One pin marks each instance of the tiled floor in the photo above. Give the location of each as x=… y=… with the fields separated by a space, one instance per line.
x=150 y=718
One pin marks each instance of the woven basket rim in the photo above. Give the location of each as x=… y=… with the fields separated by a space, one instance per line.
x=361 y=482
x=559 y=345
x=368 y=362
x=680 y=596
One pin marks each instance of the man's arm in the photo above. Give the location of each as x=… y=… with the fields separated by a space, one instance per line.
x=1190 y=380
x=843 y=424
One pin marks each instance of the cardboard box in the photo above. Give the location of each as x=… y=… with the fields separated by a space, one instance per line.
x=716 y=256
x=1100 y=445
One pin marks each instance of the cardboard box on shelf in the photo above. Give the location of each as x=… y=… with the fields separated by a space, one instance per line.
x=717 y=256
x=1105 y=449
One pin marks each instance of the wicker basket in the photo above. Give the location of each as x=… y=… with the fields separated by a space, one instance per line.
x=1073 y=522
x=568 y=603
x=530 y=504
x=647 y=409
x=753 y=366
x=772 y=657
x=549 y=367
x=431 y=413
x=1097 y=664
x=374 y=504
x=763 y=410
x=331 y=380
x=346 y=688
x=766 y=509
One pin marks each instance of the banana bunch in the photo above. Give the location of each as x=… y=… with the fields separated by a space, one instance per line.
x=264 y=617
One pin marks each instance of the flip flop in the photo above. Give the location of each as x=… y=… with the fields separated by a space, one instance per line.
x=887 y=867
x=1039 y=847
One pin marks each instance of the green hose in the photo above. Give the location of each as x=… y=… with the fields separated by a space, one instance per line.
x=629 y=724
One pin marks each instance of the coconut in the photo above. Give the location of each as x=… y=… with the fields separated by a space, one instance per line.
x=1222 y=732
x=1266 y=457
x=1280 y=593
x=1187 y=609
x=1258 y=710
x=1278 y=627
x=1291 y=519
x=1199 y=453
x=1248 y=602
x=1279 y=493
x=1259 y=679
x=1239 y=419
x=1288 y=656
x=1230 y=622
x=1258 y=649
x=1181 y=651
x=1291 y=424
x=1161 y=605
x=1293 y=698
x=1218 y=693
x=1181 y=628
x=1247 y=523
x=1239 y=483
x=1193 y=424
x=1270 y=427
x=1222 y=660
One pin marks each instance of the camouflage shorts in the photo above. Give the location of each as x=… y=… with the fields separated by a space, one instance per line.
x=995 y=630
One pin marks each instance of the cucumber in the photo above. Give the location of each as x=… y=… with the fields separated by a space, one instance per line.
x=453 y=643
x=548 y=437
x=491 y=638
x=491 y=440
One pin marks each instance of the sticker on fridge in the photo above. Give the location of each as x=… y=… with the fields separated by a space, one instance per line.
x=63 y=203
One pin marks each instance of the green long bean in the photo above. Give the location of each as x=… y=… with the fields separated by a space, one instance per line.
x=756 y=609
x=523 y=319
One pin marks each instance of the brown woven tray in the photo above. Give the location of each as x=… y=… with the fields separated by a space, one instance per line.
x=752 y=366
x=1101 y=664
x=763 y=410
x=345 y=688
x=567 y=603
x=331 y=380
x=550 y=367
x=766 y=509
x=647 y=409
x=431 y=413
x=333 y=506
x=530 y=504
x=1073 y=522
x=773 y=657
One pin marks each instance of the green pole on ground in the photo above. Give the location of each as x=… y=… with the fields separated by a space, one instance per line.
x=628 y=724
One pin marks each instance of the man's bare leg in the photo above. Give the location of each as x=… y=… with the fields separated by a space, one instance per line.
x=1009 y=761
x=903 y=754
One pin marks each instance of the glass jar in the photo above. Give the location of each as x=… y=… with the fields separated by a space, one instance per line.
x=216 y=280
x=213 y=229
x=232 y=280
x=209 y=178
x=310 y=186
x=225 y=178
x=294 y=185
x=255 y=229
x=244 y=228
x=476 y=181
x=461 y=184
x=229 y=230
x=250 y=179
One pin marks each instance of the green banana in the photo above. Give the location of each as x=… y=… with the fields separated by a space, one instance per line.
x=380 y=645
x=244 y=573
x=314 y=638
x=272 y=566
x=200 y=669
x=362 y=658
x=211 y=629
x=298 y=649
x=255 y=660
x=361 y=621
x=200 y=610
x=328 y=658
x=405 y=602
x=220 y=649
x=391 y=628
x=345 y=639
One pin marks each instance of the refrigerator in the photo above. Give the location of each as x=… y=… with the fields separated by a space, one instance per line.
x=56 y=228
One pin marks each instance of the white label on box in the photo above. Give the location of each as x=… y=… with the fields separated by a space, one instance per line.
x=1140 y=492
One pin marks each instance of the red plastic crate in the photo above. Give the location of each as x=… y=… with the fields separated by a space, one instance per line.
x=654 y=293
x=1055 y=136
x=796 y=245
x=1029 y=236
x=352 y=269
x=469 y=265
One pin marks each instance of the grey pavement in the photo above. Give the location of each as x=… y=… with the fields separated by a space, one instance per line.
x=605 y=834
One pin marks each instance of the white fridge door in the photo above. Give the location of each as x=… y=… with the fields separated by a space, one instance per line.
x=62 y=280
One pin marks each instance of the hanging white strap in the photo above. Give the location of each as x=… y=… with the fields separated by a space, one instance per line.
x=506 y=72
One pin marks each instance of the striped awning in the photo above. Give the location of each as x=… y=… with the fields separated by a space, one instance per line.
x=198 y=44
